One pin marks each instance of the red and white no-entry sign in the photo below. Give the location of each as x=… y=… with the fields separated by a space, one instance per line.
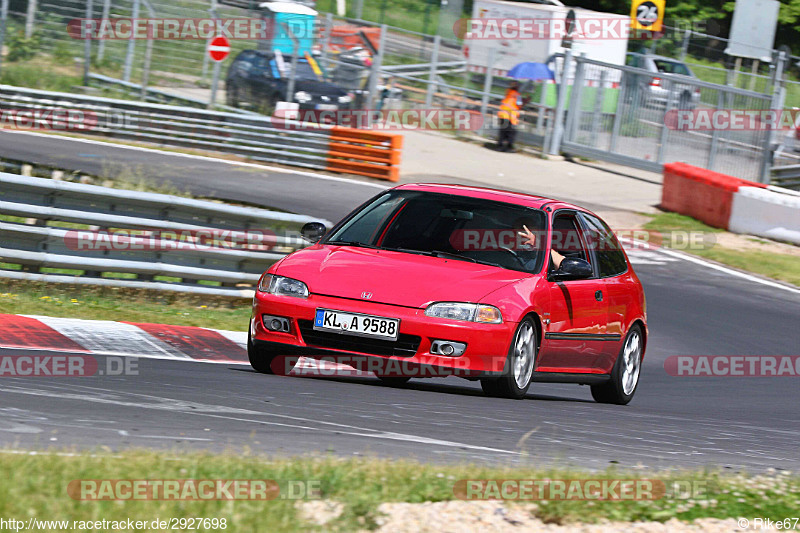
x=219 y=48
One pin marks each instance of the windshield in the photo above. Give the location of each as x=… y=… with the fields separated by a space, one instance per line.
x=671 y=67
x=448 y=226
x=304 y=70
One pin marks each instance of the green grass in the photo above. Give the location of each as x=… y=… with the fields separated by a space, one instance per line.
x=38 y=74
x=675 y=221
x=36 y=486
x=106 y=303
x=783 y=267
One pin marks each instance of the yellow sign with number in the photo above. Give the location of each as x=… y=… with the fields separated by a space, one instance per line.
x=647 y=15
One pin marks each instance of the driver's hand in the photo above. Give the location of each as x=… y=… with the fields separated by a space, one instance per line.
x=530 y=238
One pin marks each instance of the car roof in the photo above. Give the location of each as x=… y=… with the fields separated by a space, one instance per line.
x=660 y=58
x=499 y=195
x=270 y=55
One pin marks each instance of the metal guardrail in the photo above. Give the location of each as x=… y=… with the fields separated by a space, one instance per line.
x=161 y=97
x=256 y=137
x=151 y=247
x=786 y=176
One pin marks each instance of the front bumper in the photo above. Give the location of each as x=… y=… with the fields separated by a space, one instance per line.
x=485 y=353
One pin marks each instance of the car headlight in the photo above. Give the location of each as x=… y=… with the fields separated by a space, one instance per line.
x=486 y=314
x=346 y=99
x=302 y=97
x=282 y=286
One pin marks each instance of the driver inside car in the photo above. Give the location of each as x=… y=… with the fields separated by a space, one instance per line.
x=529 y=243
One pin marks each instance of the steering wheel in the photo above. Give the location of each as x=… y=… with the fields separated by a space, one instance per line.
x=512 y=252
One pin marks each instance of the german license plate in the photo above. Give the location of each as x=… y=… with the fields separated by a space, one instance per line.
x=327 y=107
x=356 y=324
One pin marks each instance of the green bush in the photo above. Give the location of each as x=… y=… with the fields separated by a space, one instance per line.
x=20 y=47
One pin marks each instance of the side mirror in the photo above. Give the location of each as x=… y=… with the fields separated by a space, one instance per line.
x=313 y=231
x=572 y=268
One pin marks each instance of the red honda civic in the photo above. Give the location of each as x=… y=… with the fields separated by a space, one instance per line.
x=489 y=285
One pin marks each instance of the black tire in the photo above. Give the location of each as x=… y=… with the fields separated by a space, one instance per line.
x=490 y=387
x=269 y=104
x=262 y=359
x=685 y=101
x=507 y=385
x=393 y=381
x=232 y=95
x=614 y=390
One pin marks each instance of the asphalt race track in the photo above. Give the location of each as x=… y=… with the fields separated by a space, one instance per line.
x=284 y=189
x=693 y=309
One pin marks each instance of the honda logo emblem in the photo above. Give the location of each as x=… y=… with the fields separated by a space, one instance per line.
x=366 y=295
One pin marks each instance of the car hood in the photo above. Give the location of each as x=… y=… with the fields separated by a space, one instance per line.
x=396 y=278
x=318 y=88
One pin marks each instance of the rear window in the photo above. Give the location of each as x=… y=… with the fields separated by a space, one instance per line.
x=671 y=67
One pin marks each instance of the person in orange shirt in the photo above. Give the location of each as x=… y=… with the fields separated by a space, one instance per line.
x=508 y=117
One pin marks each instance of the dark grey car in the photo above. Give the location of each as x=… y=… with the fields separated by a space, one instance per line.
x=255 y=79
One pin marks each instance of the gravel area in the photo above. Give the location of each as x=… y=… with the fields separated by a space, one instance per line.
x=498 y=517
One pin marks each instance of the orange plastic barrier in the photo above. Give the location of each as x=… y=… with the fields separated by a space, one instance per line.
x=347 y=36
x=700 y=193
x=367 y=153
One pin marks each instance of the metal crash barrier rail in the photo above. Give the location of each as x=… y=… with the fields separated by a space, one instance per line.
x=105 y=236
x=259 y=138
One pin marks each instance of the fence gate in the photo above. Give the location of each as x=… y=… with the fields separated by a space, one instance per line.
x=643 y=119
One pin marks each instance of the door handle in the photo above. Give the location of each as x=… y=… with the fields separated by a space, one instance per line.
x=598 y=295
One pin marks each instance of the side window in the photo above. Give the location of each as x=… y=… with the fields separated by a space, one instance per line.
x=244 y=61
x=260 y=66
x=610 y=257
x=365 y=227
x=567 y=237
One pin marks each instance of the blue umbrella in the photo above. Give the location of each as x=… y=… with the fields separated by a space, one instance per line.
x=531 y=71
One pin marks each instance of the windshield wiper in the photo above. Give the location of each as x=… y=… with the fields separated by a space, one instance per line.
x=407 y=251
x=353 y=243
x=450 y=255
x=436 y=253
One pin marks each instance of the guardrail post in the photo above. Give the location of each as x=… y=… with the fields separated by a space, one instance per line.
x=542 y=106
x=597 y=114
x=326 y=43
x=712 y=149
x=214 y=84
x=87 y=48
x=775 y=104
x=293 y=64
x=126 y=72
x=30 y=17
x=487 y=87
x=687 y=34
x=664 y=130
x=575 y=100
x=558 y=128
x=213 y=12
x=101 y=45
x=377 y=63
x=3 y=17
x=148 y=55
x=623 y=91
x=432 y=72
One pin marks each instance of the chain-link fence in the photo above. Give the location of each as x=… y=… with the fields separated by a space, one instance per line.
x=612 y=112
x=706 y=56
x=646 y=121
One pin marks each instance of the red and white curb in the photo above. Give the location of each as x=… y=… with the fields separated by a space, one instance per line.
x=128 y=339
